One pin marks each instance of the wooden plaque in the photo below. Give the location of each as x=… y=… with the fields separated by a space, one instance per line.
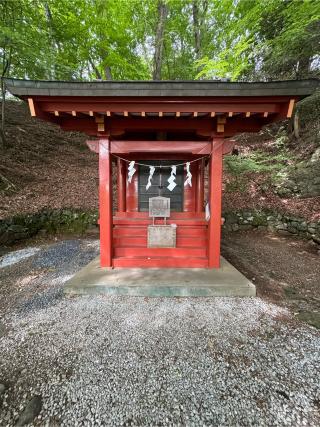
x=159 y=207
x=161 y=236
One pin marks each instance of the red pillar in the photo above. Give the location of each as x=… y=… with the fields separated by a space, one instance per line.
x=121 y=185
x=105 y=202
x=215 y=203
x=200 y=186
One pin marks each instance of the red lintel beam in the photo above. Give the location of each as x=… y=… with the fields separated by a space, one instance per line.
x=139 y=123
x=116 y=107
x=201 y=126
x=194 y=147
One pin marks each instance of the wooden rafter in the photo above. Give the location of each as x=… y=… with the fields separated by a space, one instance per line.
x=31 y=107
x=290 y=108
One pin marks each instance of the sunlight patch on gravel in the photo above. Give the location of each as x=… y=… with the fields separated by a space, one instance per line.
x=61 y=280
x=92 y=244
x=175 y=361
x=16 y=256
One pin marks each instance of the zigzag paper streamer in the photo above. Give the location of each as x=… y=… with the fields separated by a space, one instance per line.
x=131 y=170
x=172 y=178
x=188 y=181
x=151 y=172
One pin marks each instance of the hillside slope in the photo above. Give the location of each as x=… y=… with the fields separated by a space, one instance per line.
x=50 y=168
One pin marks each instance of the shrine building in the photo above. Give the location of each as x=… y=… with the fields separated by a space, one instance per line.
x=165 y=140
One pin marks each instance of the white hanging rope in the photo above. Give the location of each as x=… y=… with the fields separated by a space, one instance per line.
x=172 y=178
x=188 y=181
x=162 y=166
x=131 y=170
x=172 y=183
x=151 y=172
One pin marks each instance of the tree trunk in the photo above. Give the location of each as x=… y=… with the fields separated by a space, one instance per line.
x=3 y=106
x=55 y=44
x=6 y=65
x=303 y=68
x=95 y=69
x=107 y=73
x=196 y=28
x=296 y=127
x=159 y=39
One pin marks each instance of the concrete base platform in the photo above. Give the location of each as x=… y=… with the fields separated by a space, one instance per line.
x=161 y=282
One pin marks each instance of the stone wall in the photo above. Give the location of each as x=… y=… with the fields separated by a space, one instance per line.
x=76 y=222
x=274 y=222
x=73 y=221
x=303 y=179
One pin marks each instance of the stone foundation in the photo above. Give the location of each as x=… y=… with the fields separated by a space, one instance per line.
x=274 y=222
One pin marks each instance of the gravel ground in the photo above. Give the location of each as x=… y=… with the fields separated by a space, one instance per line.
x=139 y=361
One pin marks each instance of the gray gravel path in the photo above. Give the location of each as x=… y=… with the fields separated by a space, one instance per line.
x=149 y=362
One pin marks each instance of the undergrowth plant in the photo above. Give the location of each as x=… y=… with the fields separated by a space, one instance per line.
x=256 y=162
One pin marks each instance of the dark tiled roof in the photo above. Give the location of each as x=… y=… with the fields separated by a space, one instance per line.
x=25 y=88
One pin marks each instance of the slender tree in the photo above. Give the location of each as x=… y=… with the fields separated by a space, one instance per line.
x=159 y=39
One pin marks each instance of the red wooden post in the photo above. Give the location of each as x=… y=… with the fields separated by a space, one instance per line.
x=215 y=203
x=121 y=185
x=189 y=195
x=200 y=186
x=105 y=201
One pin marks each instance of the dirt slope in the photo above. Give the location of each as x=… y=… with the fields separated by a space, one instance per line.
x=48 y=167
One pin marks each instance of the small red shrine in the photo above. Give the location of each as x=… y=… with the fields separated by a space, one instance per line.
x=179 y=128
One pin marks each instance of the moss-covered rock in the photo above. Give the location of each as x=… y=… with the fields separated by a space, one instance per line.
x=309 y=109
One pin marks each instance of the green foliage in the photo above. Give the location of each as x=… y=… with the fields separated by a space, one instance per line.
x=256 y=162
x=230 y=63
x=115 y=39
x=265 y=40
x=237 y=185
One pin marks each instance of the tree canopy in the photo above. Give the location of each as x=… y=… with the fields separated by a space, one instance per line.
x=160 y=39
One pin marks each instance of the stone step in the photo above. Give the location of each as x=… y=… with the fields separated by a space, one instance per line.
x=160 y=252
x=160 y=262
x=141 y=241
